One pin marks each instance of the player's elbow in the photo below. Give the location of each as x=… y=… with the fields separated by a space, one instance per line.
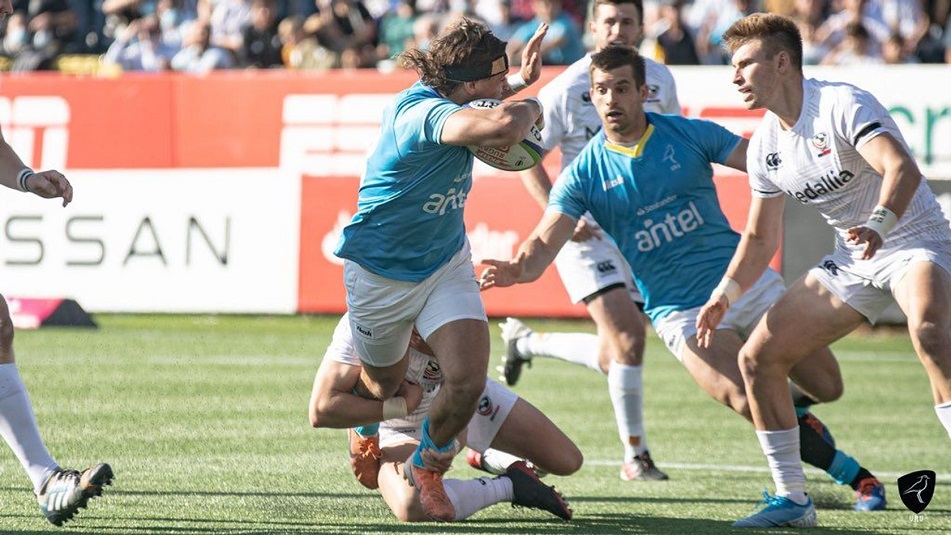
x=319 y=413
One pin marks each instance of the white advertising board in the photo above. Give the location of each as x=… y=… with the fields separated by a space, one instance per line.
x=181 y=240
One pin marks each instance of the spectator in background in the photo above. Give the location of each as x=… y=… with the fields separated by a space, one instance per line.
x=261 y=46
x=15 y=35
x=562 y=45
x=855 y=49
x=140 y=47
x=499 y=17
x=347 y=28
x=809 y=15
x=300 y=51
x=425 y=29
x=894 y=51
x=229 y=19
x=834 y=30
x=675 y=39
x=197 y=55
x=710 y=34
x=396 y=30
x=173 y=16
x=51 y=27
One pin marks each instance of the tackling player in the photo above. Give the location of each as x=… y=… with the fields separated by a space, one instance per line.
x=502 y=420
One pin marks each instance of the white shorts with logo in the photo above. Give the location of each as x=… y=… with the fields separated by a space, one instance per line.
x=590 y=266
x=677 y=327
x=383 y=311
x=867 y=285
x=494 y=406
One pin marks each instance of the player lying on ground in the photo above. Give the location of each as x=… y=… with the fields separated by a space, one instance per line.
x=502 y=420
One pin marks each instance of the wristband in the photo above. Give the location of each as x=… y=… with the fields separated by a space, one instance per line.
x=22 y=176
x=882 y=220
x=728 y=288
x=394 y=408
x=516 y=82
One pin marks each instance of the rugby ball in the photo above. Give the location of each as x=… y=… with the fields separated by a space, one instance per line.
x=526 y=154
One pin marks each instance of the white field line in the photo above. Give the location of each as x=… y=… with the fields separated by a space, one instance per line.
x=741 y=468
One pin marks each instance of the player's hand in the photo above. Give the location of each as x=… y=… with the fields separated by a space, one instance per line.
x=709 y=318
x=585 y=231
x=412 y=393
x=499 y=273
x=531 y=57
x=862 y=234
x=440 y=461
x=49 y=185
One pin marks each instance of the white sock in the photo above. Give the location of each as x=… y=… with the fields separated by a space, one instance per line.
x=498 y=461
x=944 y=414
x=782 y=454
x=470 y=496
x=625 y=385
x=579 y=348
x=18 y=427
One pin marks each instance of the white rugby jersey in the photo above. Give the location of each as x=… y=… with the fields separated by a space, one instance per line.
x=423 y=370
x=570 y=117
x=817 y=162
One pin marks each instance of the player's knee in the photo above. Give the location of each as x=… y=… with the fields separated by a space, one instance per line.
x=831 y=390
x=569 y=463
x=466 y=388
x=933 y=341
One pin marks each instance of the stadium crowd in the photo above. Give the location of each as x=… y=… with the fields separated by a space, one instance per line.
x=202 y=35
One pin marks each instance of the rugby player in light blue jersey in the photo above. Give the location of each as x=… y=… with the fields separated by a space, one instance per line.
x=647 y=180
x=406 y=258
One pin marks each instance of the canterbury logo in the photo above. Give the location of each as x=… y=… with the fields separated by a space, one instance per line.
x=773 y=161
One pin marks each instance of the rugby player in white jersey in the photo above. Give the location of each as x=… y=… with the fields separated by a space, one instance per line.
x=833 y=146
x=592 y=269
x=502 y=420
x=648 y=180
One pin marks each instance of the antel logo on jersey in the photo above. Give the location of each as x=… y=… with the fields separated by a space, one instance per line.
x=671 y=228
x=452 y=200
x=772 y=161
x=826 y=183
x=821 y=142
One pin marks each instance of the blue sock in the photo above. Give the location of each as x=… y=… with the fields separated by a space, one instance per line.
x=801 y=411
x=425 y=443
x=843 y=469
x=367 y=430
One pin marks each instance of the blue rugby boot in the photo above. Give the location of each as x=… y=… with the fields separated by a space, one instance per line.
x=779 y=511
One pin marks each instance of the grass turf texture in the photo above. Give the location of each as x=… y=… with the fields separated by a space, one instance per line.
x=204 y=420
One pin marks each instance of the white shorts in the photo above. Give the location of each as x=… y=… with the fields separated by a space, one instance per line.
x=587 y=267
x=494 y=406
x=867 y=285
x=677 y=327
x=383 y=311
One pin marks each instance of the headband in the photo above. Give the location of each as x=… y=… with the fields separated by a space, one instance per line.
x=472 y=72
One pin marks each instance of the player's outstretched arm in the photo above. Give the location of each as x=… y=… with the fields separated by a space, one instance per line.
x=757 y=246
x=333 y=403
x=14 y=174
x=900 y=179
x=533 y=256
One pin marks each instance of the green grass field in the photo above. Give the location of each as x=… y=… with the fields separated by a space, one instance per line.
x=204 y=420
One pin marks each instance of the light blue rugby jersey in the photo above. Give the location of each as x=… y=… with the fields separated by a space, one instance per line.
x=409 y=211
x=658 y=202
